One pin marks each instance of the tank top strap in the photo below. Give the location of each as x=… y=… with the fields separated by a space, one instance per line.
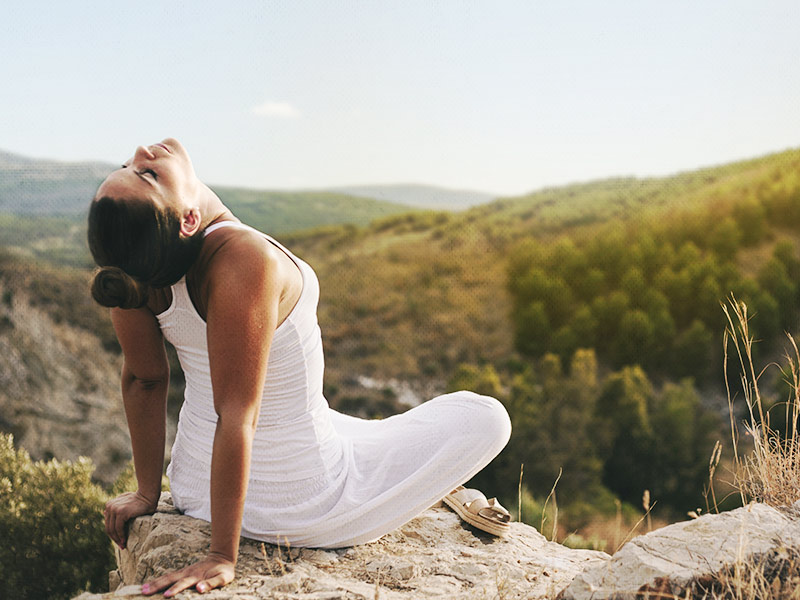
x=212 y=228
x=221 y=224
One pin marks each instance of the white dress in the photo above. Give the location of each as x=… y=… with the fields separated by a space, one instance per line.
x=319 y=478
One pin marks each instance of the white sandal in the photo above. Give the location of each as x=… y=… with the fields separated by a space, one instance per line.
x=475 y=509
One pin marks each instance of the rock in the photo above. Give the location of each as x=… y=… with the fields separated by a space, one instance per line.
x=433 y=556
x=437 y=556
x=674 y=558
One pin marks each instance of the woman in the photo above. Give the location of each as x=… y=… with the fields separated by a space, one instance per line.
x=258 y=451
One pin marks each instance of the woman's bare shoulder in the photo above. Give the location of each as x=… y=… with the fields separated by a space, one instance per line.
x=239 y=251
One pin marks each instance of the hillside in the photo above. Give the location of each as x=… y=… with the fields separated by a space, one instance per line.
x=59 y=373
x=278 y=212
x=410 y=297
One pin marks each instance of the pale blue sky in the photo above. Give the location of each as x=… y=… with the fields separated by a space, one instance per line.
x=500 y=96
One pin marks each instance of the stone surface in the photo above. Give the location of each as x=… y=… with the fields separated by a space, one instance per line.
x=437 y=556
x=433 y=556
x=670 y=559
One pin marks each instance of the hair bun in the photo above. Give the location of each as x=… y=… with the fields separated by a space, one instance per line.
x=113 y=287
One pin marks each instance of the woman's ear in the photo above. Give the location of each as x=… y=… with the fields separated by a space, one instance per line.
x=190 y=222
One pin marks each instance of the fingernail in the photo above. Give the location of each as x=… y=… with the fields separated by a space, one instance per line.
x=201 y=587
x=145 y=589
x=168 y=593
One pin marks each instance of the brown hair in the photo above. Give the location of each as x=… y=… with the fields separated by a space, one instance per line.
x=137 y=247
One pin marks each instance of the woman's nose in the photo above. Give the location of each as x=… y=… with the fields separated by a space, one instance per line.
x=143 y=152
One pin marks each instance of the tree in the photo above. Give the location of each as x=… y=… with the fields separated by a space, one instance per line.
x=750 y=217
x=481 y=380
x=684 y=437
x=624 y=433
x=774 y=278
x=532 y=329
x=725 y=238
x=634 y=340
x=692 y=351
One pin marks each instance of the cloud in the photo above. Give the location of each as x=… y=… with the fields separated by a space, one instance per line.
x=278 y=110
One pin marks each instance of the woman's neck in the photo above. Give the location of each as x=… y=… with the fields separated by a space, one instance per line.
x=212 y=209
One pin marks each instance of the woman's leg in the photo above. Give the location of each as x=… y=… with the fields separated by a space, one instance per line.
x=406 y=463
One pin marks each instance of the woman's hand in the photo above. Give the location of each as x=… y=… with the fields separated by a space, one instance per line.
x=212 y=572
x=122 y=509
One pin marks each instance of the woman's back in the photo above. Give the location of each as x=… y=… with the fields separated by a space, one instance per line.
x=294 y=439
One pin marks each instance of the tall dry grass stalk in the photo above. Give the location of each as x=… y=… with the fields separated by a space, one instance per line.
x=552 y=495
x=771 y=472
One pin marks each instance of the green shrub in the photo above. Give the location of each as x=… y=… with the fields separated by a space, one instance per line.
x=54 y=543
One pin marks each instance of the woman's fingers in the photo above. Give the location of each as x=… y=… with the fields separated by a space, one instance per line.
x=214 y=582
x=204 y=575
x=112 y=528
x=115 y=526
x=158 y=584
x=121 y=536
x=119 y=511
x=180 y=585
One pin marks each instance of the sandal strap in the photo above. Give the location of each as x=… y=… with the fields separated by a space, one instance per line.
x=495 y=512
x=490 y=509
x=466 y=495
x=475 y=502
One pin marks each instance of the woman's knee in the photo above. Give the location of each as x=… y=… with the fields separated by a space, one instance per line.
x=489 y=413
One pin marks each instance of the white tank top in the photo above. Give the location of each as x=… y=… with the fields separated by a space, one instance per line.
x=294 y=438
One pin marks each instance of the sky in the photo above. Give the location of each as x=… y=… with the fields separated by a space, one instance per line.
x=498 y=96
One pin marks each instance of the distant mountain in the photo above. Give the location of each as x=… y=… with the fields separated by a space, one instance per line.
x=421 y=196
x=47 y=187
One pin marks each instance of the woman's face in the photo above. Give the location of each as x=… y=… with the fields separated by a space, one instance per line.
x=162 y=173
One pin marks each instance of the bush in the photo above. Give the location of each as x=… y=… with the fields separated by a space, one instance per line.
x=54 y=543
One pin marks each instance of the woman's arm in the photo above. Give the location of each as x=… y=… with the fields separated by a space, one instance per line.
x=242 y=318
x=244 y=292
x=145 y=378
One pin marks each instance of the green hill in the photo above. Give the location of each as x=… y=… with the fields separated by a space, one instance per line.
x=411 y=296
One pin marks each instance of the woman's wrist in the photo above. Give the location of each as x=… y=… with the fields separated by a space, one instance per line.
x=219 y=556
x=150 y=498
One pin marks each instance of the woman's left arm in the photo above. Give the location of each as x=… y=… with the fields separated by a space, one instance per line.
x=243 y=301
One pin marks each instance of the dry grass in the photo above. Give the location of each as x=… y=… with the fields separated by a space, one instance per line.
x=771 y=472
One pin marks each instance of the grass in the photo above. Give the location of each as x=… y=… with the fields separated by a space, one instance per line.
x=771 y=472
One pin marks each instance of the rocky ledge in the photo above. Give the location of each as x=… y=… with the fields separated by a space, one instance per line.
x=437 y=556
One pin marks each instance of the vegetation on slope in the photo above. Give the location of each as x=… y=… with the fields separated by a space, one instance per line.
x=277 y=212
x=54 y=540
